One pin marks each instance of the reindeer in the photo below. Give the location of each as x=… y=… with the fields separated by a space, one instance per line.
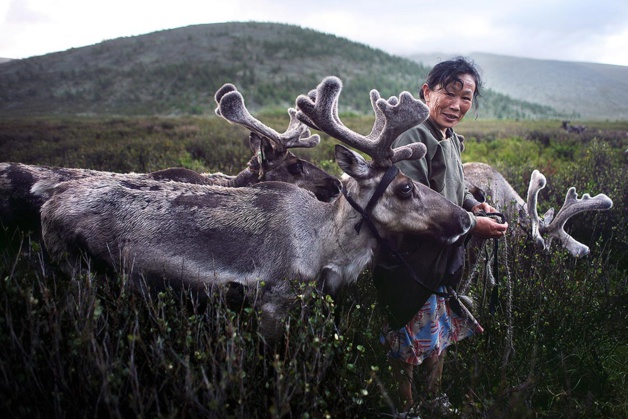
x=271 y=161
x=24 y=188
x=485 y=182
x=578 y=129
x=264 y=235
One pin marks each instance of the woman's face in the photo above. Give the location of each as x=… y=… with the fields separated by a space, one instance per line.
x=449 y=106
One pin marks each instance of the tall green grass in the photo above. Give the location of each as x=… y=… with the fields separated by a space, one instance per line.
x=91 y=345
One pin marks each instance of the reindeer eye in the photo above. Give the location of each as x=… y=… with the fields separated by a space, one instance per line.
x=404 y=190
x=295 y=168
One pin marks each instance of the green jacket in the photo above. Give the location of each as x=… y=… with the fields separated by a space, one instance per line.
x=403 y=285
x=441 y=168
x=435 y=264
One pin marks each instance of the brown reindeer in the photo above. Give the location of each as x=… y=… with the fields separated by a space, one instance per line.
x=263 y=235
x=24 y=188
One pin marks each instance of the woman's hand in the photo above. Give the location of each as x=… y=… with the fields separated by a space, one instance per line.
x=486 y=227
x=483 y=207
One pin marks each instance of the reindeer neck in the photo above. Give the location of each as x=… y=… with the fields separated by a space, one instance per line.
x=355 y=249
x=347 y=253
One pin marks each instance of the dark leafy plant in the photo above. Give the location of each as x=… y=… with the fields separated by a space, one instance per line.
x=92 y=345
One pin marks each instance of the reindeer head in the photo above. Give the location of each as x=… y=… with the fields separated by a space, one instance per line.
x=403 y=206
x=272 y=161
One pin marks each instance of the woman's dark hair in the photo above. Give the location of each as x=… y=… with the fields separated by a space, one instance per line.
x=447 y=72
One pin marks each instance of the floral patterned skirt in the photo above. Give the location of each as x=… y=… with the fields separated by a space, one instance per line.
x=429 y=332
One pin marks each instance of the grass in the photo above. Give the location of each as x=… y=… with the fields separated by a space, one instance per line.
x=92 y=345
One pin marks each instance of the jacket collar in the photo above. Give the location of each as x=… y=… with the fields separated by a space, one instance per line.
x=437 y=132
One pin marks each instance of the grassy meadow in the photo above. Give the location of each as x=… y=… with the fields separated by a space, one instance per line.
x=89 y=346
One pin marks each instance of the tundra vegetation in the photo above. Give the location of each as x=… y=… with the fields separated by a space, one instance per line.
x=86 y=345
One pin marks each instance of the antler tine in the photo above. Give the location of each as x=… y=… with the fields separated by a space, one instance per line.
x=301 y=116
x=407 y=152
x=537 y=182
x=380 y=122
x=231 y=107
x=392 y=118
x=407 y=113
x=571 y=207
x=226 y=88
x=298 y=135
x=307 y=121
x=319 y=109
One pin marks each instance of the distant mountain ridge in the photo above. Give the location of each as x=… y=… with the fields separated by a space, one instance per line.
x=594 y=91
x=177 y=71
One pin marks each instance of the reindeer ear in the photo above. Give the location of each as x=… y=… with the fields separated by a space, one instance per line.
x=265 y=149
x=255 y=142
x=352 y=163
x=478 y=194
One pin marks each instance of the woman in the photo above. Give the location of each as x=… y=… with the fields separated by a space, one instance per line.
x=450 y=90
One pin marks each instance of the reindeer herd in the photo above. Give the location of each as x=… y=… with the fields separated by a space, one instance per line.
x=280 y=219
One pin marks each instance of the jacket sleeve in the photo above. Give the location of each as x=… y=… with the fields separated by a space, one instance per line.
x=469 y=200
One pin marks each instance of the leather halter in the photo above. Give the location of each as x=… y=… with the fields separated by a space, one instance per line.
x=379 y=191
x=388 y=177
x=494 y=302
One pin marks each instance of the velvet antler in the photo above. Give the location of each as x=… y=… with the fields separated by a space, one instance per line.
x=231 y=107
x=554 y=226
x=319 y=110
x=537 y=182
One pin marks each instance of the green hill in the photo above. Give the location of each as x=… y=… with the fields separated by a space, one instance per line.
x=174 y=72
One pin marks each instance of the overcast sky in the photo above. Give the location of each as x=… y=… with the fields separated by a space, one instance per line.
x=569 y=30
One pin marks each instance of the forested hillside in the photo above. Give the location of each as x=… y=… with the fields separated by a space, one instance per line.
x=177 y=71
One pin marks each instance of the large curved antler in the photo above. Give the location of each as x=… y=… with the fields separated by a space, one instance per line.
x=537 y=182
x=319 y=110
x=231 y=107
x=554 y=227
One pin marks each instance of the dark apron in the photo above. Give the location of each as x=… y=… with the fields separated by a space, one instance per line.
x=405 y=279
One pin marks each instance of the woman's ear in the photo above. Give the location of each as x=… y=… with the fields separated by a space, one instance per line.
x=425 y=89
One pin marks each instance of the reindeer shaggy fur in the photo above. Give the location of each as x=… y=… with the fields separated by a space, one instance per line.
x=268 y=233
x=24 y=188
